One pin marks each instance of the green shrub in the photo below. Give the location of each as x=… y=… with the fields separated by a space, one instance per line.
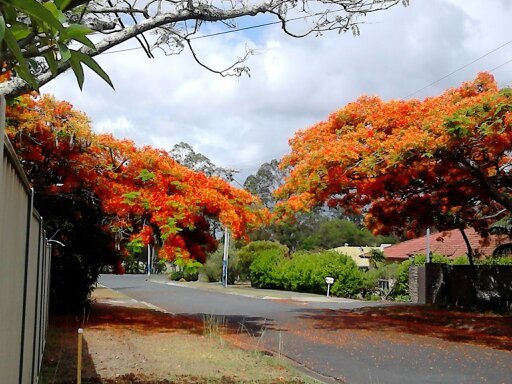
x=460 y=260
x=176 y=275
x=159 y=266
x=306 y=272
x=502 y=260
x=189 y=270
x=401 y=288
x=248 y=253
x=266 y=269
x=212 y=269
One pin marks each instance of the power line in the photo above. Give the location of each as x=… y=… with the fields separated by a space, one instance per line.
x=460 y=69
x=241 y=29
x=501 y=65
x=238 y=30
x=121 y=50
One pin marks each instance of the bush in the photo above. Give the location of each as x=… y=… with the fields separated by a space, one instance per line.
x=159 y=266
x=212 y=269
x=248 y=253
x=502 y=260
x=306 y=272
x=265 y=270
x=176 y=275
x=189 y=270
x=401 y=288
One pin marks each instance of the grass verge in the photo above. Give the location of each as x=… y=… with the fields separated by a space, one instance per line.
x=138 y=345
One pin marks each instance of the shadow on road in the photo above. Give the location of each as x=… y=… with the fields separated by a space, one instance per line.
x=104 y=315
x=235 y=324
x=146 y=320
x=491 y=330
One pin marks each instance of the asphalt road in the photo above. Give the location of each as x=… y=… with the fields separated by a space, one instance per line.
x=352 y=356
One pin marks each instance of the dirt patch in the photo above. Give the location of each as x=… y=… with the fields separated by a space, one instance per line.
x=128 y=342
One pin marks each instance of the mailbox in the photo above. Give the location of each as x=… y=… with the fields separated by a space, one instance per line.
x=329 y=281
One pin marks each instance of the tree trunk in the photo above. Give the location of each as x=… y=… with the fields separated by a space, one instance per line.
x=468 y=245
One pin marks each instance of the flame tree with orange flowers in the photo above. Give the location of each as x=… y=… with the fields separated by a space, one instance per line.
x=104 y=198
x=408 y=165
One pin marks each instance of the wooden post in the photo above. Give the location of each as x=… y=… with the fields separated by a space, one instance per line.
x=79 y=357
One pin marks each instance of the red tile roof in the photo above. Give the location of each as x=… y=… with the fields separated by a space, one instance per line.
x=449 y=243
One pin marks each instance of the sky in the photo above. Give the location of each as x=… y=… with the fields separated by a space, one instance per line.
x=240 y=123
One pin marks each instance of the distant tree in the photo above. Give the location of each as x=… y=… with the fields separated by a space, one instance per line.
x=184 y=154
x=42 y=39
x=315 y=230
x=265 y=182
x=332 y=233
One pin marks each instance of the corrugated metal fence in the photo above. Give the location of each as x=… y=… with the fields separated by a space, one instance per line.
x=24 y=273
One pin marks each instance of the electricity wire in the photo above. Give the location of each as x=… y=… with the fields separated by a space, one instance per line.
x=239 y=29
x=460 y=69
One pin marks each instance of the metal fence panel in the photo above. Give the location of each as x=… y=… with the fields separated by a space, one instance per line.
x=30 y=302
x=24 y=276
x=12 y=271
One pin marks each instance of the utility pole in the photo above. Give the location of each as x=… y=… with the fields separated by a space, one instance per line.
x=225 y=258
x=149 y=260
x=428 y=246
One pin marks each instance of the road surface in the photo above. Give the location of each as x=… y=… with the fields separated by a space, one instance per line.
x=309 y=332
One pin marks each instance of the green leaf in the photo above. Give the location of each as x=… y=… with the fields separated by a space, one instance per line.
x=9 y=13
x=136 y=245
x=20 y=30
x=89 y=61
x=76 y=66
x=78 y=32
x=62 y=4
x=65 y=52
x=37 y=11
x=22 y=68
x=52 y=62
x=145 y=175
x=130 y=197
x=55 y=11
x=2 y=27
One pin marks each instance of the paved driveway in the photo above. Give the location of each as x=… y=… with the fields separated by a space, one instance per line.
x=344 y=340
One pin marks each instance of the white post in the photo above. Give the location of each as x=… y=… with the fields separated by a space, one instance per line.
x=2 y=126
x=79 y=357
x=225 y=259
x=149 y=260
x=428 y=245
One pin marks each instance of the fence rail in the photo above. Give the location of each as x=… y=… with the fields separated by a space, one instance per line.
x=24 y=273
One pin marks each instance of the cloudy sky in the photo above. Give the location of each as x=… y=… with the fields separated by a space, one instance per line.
x=241 y=123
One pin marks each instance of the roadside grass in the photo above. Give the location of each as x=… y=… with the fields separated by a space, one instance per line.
x=142 y=346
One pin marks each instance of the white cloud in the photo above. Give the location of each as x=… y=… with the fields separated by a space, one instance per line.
x=294 y=83
x=117 y=126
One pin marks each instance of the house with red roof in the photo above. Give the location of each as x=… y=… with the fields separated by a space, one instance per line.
x=448 y=243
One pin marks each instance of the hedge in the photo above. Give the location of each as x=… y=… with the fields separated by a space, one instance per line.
x=306 y=272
